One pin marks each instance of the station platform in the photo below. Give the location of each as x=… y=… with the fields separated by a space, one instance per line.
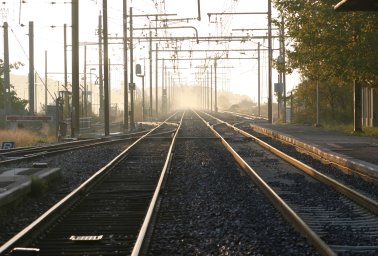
x=17 y=182
x=358 y=153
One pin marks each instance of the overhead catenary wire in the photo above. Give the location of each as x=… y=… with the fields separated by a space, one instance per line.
x=27 y=57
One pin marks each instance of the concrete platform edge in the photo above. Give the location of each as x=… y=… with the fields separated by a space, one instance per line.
x=351 y=163
x=15 y=191
x=22 y=185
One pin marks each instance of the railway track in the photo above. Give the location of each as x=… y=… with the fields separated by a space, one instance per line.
x=104 y=215
x=14 y=155
x=364 y=184
x=335 y=217
x=208 y=205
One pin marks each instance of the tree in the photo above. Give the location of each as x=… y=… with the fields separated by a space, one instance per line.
x=331 y=48
x=17 y=105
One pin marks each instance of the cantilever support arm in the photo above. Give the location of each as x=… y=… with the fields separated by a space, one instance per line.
x=195 y=29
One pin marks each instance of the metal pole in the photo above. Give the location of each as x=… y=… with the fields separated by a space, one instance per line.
x=150 y=60
x=110 y=86
x=156 y=80
x=132 y=85
x=65 y=56
x=91 y=90
x=258 y=79
x=162 y=88
x=6 y=89
x=143 y=108
x=317 y=103
x=207 y=89
x=270 y=96
x=125 y=70
x=168 y=86
x=357 y=95
x=106 y=66
x=199 y=9
x=172 y=93
x=284 y=68
x=85 y=82
x=31 y=67
x=203 y=93
x=75 y=68
x=45 y=82
x=100 y=68
x=35 y=92
x=215 y=86
x=211 y=88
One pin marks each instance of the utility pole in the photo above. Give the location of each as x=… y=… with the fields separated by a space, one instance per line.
x=270 y=96
x=85 y=82
x=215 y=86
x=284 y=67
x=173 y=106
x=132 y=84
x=143 y=106
x=317 y=104
x=6 y=89
x=106 y=65
x=100 y=68
x=208 y=89
x=65 y=56
x=31 y=68
x=139 y=73
x=125 y=70
x=165 y=97
x=169 y=91
x=258 y=79
x=150 y=60
x=75 y=68
x=211 y=88
x=199 y=9
x=156 y=80
x=162 y=89
x=45 y=82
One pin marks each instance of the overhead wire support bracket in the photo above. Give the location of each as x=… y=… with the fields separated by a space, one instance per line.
x=235 y=13
x=177 y=20
x=176 y=27
x=155 y=15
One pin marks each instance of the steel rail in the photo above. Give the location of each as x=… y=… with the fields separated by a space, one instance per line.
x=357 y=197
x=245 y=115
x=21 y=150
x=151 y=208
x=32 y=149
x=73 y=196
x=342 y=163
x=277 y=201
x=44 y=151
x=61 y=150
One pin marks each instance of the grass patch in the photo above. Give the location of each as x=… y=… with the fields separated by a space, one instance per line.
x=348 y=129
x=370 y=131
x=25 y=137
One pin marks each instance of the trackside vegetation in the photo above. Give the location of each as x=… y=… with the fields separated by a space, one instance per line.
x=331 y=50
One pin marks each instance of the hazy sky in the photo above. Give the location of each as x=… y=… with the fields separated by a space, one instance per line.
x=239 y=76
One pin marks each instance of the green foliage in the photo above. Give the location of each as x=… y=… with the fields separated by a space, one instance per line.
x=332 y=48
x=335 y=102
x=324 y=43
x=17 y=105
